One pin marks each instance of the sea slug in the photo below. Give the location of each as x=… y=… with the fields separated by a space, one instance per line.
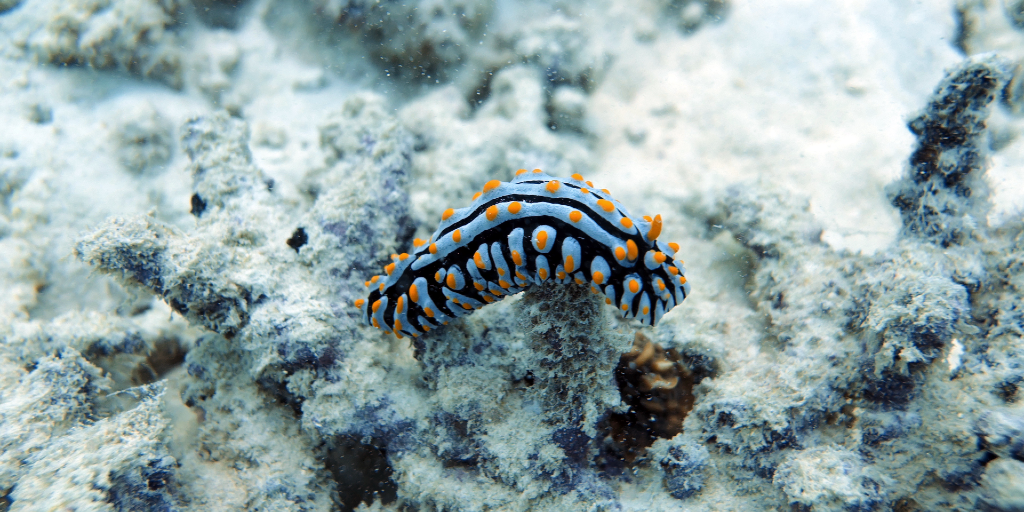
x=531 y=230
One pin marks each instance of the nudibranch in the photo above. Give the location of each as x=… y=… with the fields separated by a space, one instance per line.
x=531 y=230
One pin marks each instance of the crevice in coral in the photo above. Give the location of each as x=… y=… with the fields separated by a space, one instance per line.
x=134 y=361
x=361 y=471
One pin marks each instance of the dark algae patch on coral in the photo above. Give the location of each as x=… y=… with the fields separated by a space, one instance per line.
x=944 y=192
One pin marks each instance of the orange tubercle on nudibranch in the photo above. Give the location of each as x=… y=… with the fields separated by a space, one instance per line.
x=655 y=230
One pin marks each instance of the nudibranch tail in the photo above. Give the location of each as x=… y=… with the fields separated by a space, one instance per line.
x=528 y=231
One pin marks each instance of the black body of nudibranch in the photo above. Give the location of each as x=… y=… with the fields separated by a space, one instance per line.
x=531 y=230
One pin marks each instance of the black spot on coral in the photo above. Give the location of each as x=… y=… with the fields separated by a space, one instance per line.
x=198 y=205
x=779 y=302
x=158 y=473
x=929 y=340
x=776 y=440
x=298 y=239
x=1008 y=389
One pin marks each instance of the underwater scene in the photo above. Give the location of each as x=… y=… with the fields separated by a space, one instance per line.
x=538 y=255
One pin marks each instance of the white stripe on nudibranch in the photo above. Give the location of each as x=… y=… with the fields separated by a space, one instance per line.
x=509 y=238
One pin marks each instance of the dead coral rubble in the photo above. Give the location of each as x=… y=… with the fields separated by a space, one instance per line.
x=236 y=275
x=540 y=370
x=890 y=344
x=944 y=196
x=862 y=394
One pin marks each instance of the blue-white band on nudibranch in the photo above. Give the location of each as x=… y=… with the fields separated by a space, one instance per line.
x=533 y=229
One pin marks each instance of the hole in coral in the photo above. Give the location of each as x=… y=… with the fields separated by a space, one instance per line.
x=361 y=471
